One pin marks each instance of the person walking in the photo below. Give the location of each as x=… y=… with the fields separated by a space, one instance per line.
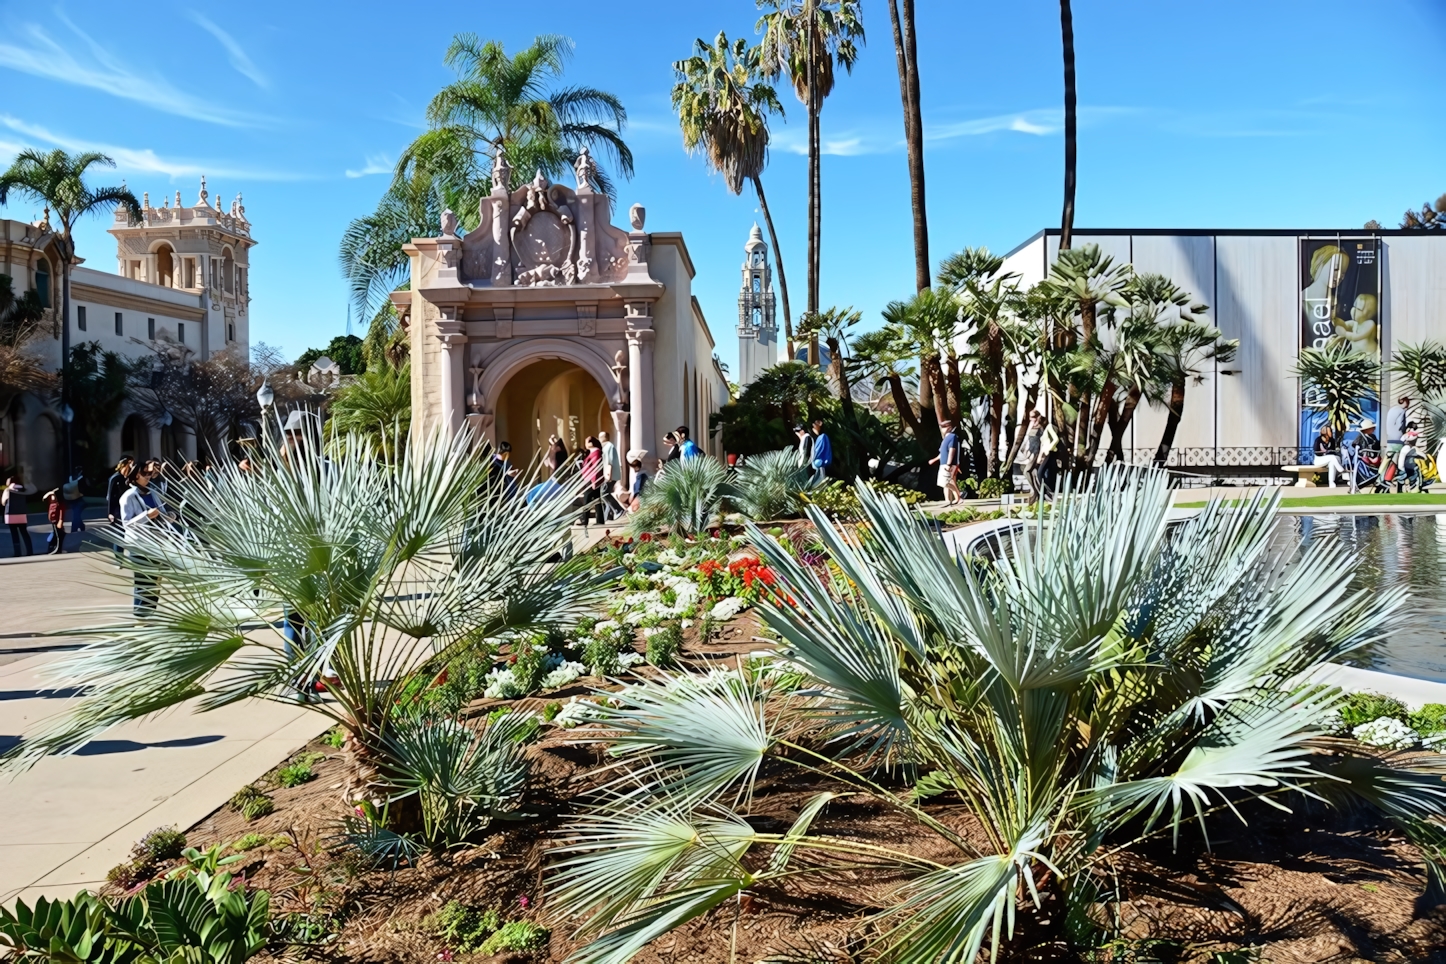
x=1396 y=417
x=948 y=462
x=140 y=510
x=592 y=477
x=822 y=452
x=556 y=456
x=612 y=476
x=17 y=516
x=55 y=515
x=640 y=478
x=74 y=495
x=504 y=476
x=687 y=448
x=673 y=453
x=1049 y=460
x=1328 y=452
x=115 y=487
x=805 y=446
x=1032 y=435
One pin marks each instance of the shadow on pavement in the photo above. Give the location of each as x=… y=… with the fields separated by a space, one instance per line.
x=63 y=693
x=106 y=747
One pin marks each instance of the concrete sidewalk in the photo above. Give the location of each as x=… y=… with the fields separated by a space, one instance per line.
x=69 y=820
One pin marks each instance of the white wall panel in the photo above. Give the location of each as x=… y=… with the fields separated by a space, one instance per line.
x=1258 y=302
x=1414 y=286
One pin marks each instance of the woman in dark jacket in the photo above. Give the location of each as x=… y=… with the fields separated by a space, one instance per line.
x=556 y=456
x=114 y=489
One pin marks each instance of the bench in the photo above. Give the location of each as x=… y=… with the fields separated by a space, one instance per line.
x=1308 y=475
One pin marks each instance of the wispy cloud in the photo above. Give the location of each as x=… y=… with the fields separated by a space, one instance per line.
x=849 y=143
x=886 y=135
x=376 y=164
x=128 y=160
x=1041 y=122
x=243 y=64
x=31 y=50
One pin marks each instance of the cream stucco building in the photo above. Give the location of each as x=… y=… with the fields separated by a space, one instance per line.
x=548 y=320
x=181 y=288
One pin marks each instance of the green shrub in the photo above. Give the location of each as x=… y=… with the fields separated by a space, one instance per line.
x=841 y=500
x=664 y=644
x=127 y=875
x=766 y=486
x=464 y=928
x=335 y=738
x=686 y=498
x=250 y=842
x=550 y=711
x=991 y=488
x=163 y=843
x=1429 y=719
x=294 y=774
x=518 y=935
x=601 y=657
x=1358 y=708
x=252 y=802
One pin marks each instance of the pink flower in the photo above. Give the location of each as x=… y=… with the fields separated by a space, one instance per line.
x=524 y=902
x=445 y=955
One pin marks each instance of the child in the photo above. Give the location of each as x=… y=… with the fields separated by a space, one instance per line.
x=55 y=512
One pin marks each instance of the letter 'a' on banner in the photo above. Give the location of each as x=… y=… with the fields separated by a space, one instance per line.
x=1340 y=304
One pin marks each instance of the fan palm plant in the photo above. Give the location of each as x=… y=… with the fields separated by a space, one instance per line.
x=723 y=106
x=1421 y=365
x=57 y=179
x=806 y=40
x=379 y=572
x=1184 y=347
x=988 y=296
x=767 y=486
x=686 y=497
x=1338 y=380
x=376 y=407
x=1107 y=680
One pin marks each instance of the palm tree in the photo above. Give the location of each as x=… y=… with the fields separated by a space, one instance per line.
x=927 y=323
x=375 y=408
x=1099 y=689
x=1421 y=365
x=906 y=50
x=883 y=356
x=57 y=179
x=395 y=568
x=1066 y=30
x=833 y=325
x=1185 y=347
x=496 y=103
x=20 y=322
x=805 y=39
x=723 y=108
x=1337 y=379
x=1136 y=363
x=986 y=298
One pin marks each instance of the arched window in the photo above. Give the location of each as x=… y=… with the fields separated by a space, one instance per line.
x=228 y=271
x=42 y=282
x=165 y=266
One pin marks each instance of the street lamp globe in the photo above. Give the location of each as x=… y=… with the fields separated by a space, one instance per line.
x=264 y=395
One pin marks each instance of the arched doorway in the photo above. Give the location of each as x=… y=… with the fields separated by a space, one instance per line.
x=165 y=266
x=135 y=438
x=549 y=397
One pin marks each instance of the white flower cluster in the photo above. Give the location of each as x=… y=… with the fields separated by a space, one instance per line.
x=575 y=712
x=502 y=683
x=725 y=609
x=1387 y=732
x=648 y=608
x=565 y=673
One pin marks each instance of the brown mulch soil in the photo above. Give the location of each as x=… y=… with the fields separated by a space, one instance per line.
x=1314 y=886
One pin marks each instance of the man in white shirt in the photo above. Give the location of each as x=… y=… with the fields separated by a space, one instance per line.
x=1396 y=429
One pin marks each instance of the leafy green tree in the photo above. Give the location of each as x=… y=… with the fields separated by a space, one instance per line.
x=834 y=324
x=57 y=179
x=723 y=106
x=345 y=350
x=1337 y=380
x=1431 y=217
x=377 y=407
x=100 y=383
x=498 y=102
x=987 y=295
x=762 y=417
x=21 y=319
x=806 y=40
x=1105 y=687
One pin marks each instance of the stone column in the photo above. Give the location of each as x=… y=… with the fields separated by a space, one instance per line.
x=640 y=381
x=622 y=441
x=453 y=354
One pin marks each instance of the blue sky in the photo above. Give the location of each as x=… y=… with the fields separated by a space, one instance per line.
x=1233 y=113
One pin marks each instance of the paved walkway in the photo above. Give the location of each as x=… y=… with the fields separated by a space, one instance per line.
x=69 y=820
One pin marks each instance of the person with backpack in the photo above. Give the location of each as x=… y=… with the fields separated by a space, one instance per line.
x=822 y=452
x=948 y=462
x=55 y=515
x=17 y=516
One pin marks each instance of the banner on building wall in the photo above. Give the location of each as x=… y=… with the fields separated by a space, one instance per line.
x=1340 y=303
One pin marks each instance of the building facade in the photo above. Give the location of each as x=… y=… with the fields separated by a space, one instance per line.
x=548 y=320
x=757 y=320
x=181 y=290
x=1275 y=291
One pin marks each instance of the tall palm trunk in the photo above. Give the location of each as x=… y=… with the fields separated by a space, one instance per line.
x=1103 y=410
x=66 y=249
x=841 y=378
x=1172 y=421
x=902 y=403
x=1121 y=421
x=814 y=189
x=906 y=51
x=1022 y=428
x=777 y=260
x=1066 y=30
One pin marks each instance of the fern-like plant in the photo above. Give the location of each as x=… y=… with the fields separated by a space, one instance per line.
x=1338 y=379
x=686 y=498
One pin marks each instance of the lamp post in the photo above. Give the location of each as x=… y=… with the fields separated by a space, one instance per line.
x=265 y=397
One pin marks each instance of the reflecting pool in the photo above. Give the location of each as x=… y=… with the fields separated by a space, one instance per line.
x=1394 y=550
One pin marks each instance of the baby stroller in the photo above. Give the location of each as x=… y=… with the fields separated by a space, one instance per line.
x=1362 y=468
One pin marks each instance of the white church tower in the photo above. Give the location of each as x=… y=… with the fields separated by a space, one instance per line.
x=757 y=326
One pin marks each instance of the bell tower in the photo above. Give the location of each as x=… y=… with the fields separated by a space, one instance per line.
x=757 y=326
